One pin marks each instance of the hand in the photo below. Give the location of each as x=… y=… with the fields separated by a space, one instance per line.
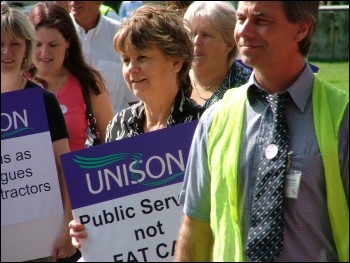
x=76 y=232
x=63 y=247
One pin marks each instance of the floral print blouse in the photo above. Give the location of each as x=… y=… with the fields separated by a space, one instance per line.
x=237 y=76
x=130 y=121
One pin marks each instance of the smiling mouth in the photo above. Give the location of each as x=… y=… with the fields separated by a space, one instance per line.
x=248 y=48
x=137 y=81
x=244 y=45
x=7 y=61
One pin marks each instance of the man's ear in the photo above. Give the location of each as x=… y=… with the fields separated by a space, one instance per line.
x=303 y=29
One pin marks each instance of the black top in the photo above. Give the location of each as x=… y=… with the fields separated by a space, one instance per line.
x=57 y=124
x=129 y=122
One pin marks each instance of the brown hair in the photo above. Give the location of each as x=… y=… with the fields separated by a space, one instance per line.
x=54 y=16
x=180 y=6
x=301 y=11
x=160 y=26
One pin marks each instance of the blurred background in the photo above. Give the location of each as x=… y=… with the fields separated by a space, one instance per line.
x=330 y=50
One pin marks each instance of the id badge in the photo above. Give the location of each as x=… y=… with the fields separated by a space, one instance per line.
x=292 y=184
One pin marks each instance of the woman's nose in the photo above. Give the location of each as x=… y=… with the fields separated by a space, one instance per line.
x=197 y=40
x=132 y=67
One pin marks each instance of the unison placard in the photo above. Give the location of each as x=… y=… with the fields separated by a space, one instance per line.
x=29 y=183
x=126 y=194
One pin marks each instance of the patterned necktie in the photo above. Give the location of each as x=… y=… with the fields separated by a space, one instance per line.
x=265 y=236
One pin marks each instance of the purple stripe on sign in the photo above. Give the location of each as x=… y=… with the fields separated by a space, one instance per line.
x=129 y=166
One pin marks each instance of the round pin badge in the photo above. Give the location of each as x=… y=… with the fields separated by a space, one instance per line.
x=271 y=151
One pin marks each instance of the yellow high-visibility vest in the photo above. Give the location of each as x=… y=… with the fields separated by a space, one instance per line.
x=329 y=105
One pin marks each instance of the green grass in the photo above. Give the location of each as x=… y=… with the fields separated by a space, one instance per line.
x=336 y=73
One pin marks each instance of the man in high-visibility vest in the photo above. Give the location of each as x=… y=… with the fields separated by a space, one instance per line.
x=221 y=179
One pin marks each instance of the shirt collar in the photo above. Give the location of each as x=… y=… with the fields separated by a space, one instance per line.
x=80 y=29
x=299 y=91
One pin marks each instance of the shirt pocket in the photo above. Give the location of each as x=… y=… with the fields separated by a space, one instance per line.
x=312 y=188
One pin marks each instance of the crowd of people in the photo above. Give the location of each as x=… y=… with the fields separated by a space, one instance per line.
x=162 y=65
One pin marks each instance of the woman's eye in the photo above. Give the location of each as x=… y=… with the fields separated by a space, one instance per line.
x=125 y=60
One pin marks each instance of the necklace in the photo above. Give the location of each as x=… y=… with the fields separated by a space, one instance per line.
x=199 y=95
x=203 y=87
x=59 y=87
x=59 y=84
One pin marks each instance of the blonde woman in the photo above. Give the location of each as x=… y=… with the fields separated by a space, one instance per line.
x=17 y=43
x=214 y=69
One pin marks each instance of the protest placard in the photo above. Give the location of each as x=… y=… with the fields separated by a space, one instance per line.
x=126 y=194
x=31 y=206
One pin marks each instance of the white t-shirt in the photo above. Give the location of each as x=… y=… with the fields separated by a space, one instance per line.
x=97 y=45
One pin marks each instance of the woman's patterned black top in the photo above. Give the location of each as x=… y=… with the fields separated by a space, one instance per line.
x=237 y=76
x=130 y=121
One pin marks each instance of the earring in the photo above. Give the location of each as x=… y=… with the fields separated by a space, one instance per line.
x=24 y=63
x=176 y=70
x=66 y=53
